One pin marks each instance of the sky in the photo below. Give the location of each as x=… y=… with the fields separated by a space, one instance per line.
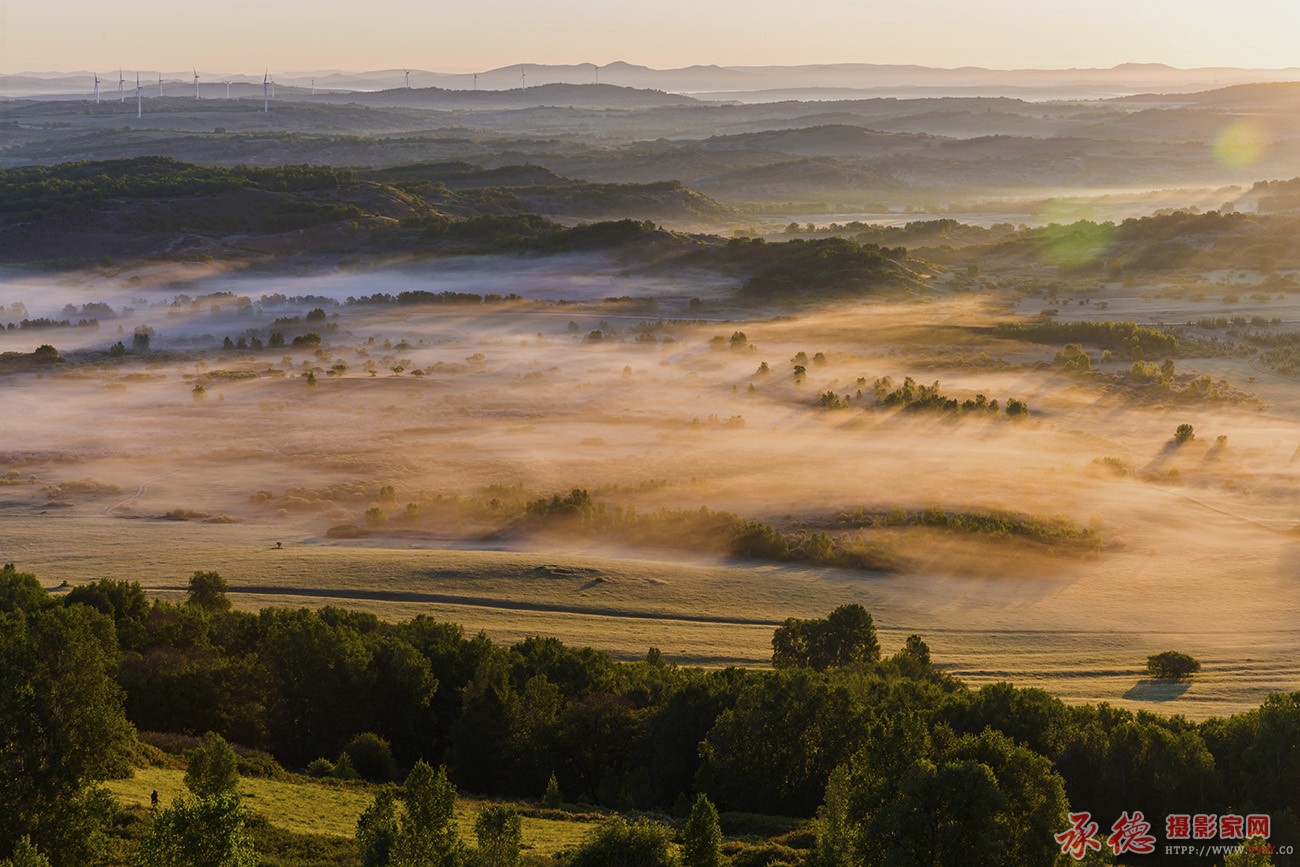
x=475 y=35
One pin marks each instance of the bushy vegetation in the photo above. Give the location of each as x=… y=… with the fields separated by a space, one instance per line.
x=1126 y=339
x=802 y=268
x=1172 y=665
x=875 y=746
x=46 y=191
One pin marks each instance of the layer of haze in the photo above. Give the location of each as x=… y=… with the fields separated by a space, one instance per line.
x=242 y=34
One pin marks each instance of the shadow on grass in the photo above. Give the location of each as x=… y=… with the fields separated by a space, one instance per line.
x=1152 y=689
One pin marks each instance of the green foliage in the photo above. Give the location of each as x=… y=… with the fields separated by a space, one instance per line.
x=47 y=191
x=552 y=798
x=938 y=798
x=213 y=769
x=1184 y=434
x=1072 y=357
x=427 y=834
x=835 y=834
x=203 y=832
x=1172 y=665
x=25 y=855
x=702 y=836
x=815 y=267
x=61 y=723
x=1127 y=339
x=1254 y=852
x=846 y=636
x=377 y=829
x=500 y=836
x=372 y=757
x=208 y=592
x=618 y=843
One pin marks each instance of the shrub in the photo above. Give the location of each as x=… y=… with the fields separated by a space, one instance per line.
x=1184 y=434
x=639 y=844
x=372 y=757
x=213 y=769
x=500 y=836
x=321 y=767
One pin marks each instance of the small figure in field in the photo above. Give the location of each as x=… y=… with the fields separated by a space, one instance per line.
x=278 y=546
x=153 y=799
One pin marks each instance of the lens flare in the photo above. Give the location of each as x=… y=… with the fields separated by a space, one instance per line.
x=1071 y=239
x=1241 y=145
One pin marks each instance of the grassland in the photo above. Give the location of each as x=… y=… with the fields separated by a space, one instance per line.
x=306 y=807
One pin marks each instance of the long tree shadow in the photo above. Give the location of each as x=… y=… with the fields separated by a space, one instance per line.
x=1152 y=689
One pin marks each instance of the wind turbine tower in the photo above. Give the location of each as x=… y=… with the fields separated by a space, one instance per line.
x=139 y=102
x=523 y=78
x=408 y=79
x=96 y=88
x=476 y=81
x=227 y=90
x=313 y=87
x=196 y=84
x=121 y=87
x=266 y=91
x=160 y=84
x=596 y=72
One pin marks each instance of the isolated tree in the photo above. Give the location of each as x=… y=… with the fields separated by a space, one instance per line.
x=500 y=837
x=1184 y=434
x=213 y=769
x=1172 y=665
x=199 y=832
x=702 y=836
x=552 y=798
x=427 y=836
x=208 y=591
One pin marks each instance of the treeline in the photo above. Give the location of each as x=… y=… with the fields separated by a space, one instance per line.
x=421 y=296
x=42 y=191
x=801 y=268
x=884 y=745
x=529 y=232
x=1127 y=339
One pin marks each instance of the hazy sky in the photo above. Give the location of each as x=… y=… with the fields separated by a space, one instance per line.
x=471 y=35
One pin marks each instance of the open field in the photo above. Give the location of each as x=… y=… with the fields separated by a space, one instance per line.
x=119 y=470
x=313 y=808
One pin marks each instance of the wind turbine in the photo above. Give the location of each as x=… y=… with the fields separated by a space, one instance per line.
x=196 y=84
x=476 y=81
x=523 y=78
x=96 y=74
x=227 y=90
x=596 y=72
x=139 y=102
x=121 y=87
x=266 y=90
x=160 y=84
x=313 y=87
x=408 y=79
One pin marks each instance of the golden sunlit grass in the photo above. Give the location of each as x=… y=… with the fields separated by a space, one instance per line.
x=314 y=808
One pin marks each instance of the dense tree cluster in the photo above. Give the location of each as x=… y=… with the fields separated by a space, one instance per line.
x=900 y=763
x=38 y=191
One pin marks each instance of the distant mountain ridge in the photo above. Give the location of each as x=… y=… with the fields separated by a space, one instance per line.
x=1121 y=80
